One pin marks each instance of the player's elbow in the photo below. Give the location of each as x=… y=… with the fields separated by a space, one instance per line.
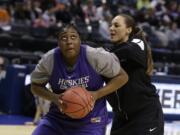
x=34 y=88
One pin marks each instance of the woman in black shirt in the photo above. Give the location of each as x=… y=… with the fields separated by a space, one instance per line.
x=136 y=106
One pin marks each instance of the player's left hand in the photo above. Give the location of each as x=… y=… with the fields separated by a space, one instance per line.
x=94 y=97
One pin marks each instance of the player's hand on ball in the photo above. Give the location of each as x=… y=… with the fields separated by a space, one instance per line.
x=59 y=102
x=77 y=102
x=62 y=105
x=94 y=97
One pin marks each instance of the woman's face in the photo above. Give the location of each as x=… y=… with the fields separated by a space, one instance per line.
x=118 y=30
x=69 y=42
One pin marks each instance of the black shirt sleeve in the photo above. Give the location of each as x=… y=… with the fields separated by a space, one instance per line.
x=132 y=52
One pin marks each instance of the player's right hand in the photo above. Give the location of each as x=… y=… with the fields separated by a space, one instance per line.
x=59 y=102
x=62 y=105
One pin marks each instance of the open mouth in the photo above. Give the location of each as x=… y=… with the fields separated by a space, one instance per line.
x=112 y=35
x=70 y=50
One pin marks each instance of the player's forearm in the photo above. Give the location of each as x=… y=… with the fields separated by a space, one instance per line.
x=113 y=84
x=44 y=93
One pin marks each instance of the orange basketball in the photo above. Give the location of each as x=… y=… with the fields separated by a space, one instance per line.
x=77 y=102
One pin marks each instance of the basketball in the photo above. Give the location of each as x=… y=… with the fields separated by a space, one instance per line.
x=77 y=101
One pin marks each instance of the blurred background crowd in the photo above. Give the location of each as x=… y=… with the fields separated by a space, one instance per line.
x=28 y=27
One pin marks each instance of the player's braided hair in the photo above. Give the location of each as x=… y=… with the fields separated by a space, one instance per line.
x=138 y=33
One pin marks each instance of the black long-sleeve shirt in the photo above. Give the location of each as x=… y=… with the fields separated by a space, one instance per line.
x=138 y=93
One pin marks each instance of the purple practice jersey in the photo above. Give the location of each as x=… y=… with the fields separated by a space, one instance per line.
x=83 y=75
x=87 y=73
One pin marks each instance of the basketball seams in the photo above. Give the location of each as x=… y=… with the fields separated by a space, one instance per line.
x=88 y=109
x=71 y=102
x=83 y=107
x=88 y=101
x=74 y=104
x=83 y=100
x=78 y=102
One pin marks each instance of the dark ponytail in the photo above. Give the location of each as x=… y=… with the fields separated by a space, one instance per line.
x=138 y=33
x=150 y=63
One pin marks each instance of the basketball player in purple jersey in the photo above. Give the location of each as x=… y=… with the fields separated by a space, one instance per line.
x=69 y=65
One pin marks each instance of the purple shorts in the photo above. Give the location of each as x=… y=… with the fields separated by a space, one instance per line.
x=47 y=128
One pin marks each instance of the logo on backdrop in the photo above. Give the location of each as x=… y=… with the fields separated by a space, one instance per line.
x=169 y=95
